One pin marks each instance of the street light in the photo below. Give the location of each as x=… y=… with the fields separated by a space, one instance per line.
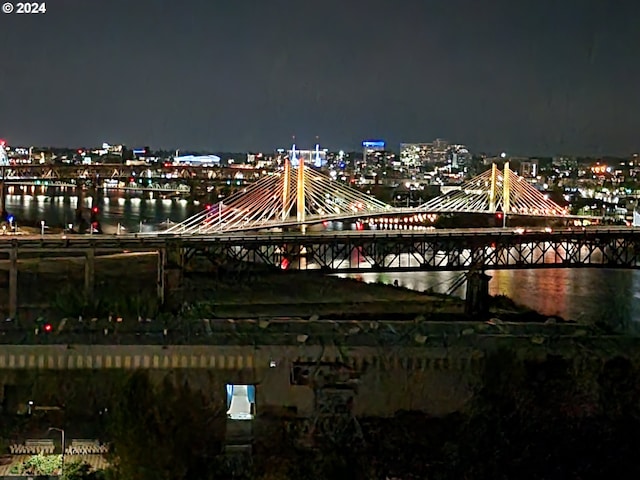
x=42 y=227
x=61 y=430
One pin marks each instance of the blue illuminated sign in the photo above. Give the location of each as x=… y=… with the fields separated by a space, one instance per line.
x=373 y=144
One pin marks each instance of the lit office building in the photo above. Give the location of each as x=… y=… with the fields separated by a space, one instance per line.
x=529 y=168
x=370 y=148
x=414 y=155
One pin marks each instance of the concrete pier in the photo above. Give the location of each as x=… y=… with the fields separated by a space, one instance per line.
x=477 y=298
x=13 y=282
x=171 y=263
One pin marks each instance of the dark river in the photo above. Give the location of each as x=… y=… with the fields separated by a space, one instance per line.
x=579 y=294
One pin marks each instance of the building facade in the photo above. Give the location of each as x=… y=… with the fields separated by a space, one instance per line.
x=416 y=155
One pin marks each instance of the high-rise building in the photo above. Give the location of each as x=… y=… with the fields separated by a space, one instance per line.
x=529 y=168
x=460 y=156
x=439 y=151
x=415 y=154
x=370 y=148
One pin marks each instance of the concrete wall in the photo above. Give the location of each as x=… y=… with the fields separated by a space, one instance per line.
x=433 y=380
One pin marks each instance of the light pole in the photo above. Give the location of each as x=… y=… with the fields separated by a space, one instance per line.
x=61 y=430
x=42 y=227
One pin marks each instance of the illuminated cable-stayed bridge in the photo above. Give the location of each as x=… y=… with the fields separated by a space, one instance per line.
x=496 y=191
x=301 y=196
x=293 y=196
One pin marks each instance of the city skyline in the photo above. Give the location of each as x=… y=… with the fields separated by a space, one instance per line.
x=531 y=78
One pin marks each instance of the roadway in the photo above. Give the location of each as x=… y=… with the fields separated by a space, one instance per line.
x=147 y=241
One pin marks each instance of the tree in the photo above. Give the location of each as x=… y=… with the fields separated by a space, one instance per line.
x=39 y=465
x=77 y=471
x=167 y=432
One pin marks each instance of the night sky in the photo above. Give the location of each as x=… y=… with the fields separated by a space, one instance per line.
x=524 y=76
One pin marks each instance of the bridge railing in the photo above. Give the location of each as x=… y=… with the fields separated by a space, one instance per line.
x=150 y=241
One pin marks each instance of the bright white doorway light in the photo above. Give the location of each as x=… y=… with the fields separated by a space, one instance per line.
x=241 y=402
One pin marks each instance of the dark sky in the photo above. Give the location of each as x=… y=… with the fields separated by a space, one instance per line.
x=524 y=76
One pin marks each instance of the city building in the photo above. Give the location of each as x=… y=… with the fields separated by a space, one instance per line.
x=316 y=158
x=370 y=148
x=199 y=160
x=440 y=150
x=460 y=156
x=416 y=155
x=529 y=168
x=4 y=159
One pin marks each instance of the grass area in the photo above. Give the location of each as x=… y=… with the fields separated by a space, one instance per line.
x=127 y=286
x=299 y=287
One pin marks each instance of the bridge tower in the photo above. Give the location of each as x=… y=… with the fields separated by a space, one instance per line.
x=300 y=200
x=493 y=190
x=285 y=189
x=506 y=201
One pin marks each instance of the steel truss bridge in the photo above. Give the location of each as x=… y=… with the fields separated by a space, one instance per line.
x=301 y=196
x=342 y=252
x=448 y=251
x=64 y=175
x=440 y=250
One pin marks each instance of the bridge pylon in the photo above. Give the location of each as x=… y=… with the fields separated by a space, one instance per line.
x=493 y=188
x=286 y=189
x=297 y=195
x=506 y=189
x=496 y=190
x=300 y=197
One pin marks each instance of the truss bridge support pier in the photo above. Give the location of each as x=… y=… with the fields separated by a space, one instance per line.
x=12 y=254
x=477 y=297
x=171 y=263
x=3 y=195
x=170 y=284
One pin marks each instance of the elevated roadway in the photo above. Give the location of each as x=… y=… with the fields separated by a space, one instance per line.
x=463 y=236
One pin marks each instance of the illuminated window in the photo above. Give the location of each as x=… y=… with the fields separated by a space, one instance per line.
x=241 y=402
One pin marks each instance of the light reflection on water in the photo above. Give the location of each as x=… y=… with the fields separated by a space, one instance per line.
x=579 y=294
x=115 y=208
x=585 y=294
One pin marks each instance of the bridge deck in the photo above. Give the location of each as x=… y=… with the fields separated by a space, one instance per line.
x=159 y=239
x=358 y=251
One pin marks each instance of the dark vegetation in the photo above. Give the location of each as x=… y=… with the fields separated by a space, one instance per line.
x=127 y=287
x=574 y=416
x=550 y=418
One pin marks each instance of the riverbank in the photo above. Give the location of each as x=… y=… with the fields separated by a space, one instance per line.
x=126 y=285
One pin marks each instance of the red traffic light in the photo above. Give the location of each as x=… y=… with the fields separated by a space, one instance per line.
x=47 y=327
x=94 y=209
x=499 y=215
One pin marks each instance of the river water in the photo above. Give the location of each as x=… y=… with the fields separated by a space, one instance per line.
x=590 y=295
